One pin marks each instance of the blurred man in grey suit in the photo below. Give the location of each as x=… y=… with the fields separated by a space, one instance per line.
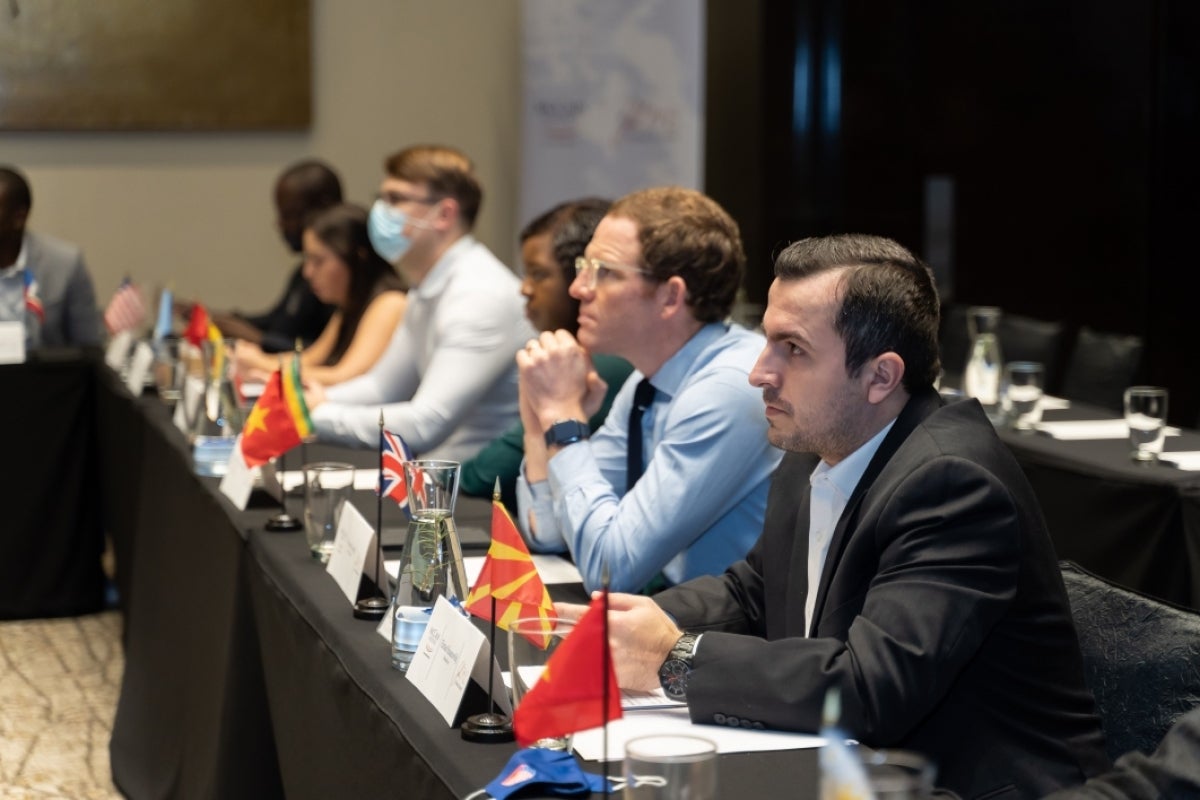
x=44 y=282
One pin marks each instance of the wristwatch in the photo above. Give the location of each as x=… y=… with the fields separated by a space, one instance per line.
x=675 y=671
x=567 y=431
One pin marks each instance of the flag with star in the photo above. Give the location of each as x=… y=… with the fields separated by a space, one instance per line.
x=279 y=420
x=577 y=689
x=509 y=576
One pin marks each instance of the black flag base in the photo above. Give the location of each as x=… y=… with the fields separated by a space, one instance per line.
x=487 y=728
x=283 y=522
x=371 y=608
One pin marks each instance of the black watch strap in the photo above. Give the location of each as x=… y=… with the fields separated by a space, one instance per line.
x=567 y=431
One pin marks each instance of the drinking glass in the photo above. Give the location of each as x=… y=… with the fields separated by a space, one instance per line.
x=431 y=565
x=1146 y=414
x=1023 y=382
x=670 y=767
x=531 y=642
x=327 y=487
x=889 y=775
x=169 y=370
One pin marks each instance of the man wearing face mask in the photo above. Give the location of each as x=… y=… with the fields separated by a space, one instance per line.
x=302 y=190
x=447 y=382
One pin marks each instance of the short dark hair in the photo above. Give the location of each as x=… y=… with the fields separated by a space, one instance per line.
x=570 y=226
x=315 y=182
x=446 y=171
x=686 y=233
x=13 y=184
x=889 y=300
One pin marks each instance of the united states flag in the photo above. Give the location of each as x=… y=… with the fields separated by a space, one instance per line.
x=393 y=453
x=126 y=311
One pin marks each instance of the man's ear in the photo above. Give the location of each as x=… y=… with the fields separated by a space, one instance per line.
x=884 y=374
x=447 y=213
x=673 y=294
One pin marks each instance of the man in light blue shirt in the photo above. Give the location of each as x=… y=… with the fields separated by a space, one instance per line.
x=655 y=286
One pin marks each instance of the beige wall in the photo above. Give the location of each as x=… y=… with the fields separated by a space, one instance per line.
x=194 y=210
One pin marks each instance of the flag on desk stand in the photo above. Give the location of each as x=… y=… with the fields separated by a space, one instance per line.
x=509 y=578
x=279 y=420
x=578 y=688
x=166 y=314
x=126 y=310
x=393 y=452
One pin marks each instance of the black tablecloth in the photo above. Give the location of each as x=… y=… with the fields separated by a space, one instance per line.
x=1136 y=524
x=52 y=530
x=247 y=676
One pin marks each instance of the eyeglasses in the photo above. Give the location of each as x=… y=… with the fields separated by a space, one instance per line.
x=396 y=198
x=593 y=271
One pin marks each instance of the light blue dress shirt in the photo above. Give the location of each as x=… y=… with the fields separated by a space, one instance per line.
x=699 y=506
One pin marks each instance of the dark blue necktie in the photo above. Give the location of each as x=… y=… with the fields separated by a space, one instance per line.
x=642 y=398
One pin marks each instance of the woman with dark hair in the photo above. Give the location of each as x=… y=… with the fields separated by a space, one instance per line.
x=549 y=246
x=343 y=270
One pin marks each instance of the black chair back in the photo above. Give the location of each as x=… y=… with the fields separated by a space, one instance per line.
x=1029 y=339
x=1101 y=367
x=1141 y=658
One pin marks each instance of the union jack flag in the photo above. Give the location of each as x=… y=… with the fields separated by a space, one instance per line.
x=393 y=452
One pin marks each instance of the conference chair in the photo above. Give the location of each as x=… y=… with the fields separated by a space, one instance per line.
x=1141 y=658
x=1101 y=366
x=1028 y=339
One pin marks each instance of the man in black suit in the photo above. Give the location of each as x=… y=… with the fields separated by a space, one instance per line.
x=903 y=557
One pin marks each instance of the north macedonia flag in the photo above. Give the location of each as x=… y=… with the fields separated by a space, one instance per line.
x=509 y=575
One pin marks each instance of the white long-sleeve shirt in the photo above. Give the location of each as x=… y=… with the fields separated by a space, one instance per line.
x=447 y=382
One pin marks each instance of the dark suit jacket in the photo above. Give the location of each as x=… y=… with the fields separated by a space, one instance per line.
x=1171 y=771
x=297 y=315
x=941 y=614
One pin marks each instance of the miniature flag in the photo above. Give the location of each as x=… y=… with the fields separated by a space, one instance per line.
x=166 y=310
x=197 y=329
x=279 y=420
x=394 y=452
x=33 y=303
x=572 y=691
x=509 y=575
x=126 y=311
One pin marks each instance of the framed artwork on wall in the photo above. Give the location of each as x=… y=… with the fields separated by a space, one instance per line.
x=154 y=65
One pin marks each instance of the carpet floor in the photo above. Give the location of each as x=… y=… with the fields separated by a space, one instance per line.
x=59 y=681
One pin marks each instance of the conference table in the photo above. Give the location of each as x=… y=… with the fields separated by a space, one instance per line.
x=247 y=675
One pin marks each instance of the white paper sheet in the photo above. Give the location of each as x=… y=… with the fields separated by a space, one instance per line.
x=589 y=744
x=1185 y=459
x=1052 y=403
x=365 y=479
x=551 y=568
x=351 y=545
x=1074 y=430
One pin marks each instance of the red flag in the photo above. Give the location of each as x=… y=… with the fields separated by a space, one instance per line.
x=197 y=329
x=279 y=420
x=570 y=694
x=509 y=575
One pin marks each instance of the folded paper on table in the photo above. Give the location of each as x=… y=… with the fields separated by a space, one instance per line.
x=589 y=744
x=1185 y=459
x=1087 y=429
x=1049 y=402
x=366 y=479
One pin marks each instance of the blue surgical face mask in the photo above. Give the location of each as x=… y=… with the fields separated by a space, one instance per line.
x=385 y=228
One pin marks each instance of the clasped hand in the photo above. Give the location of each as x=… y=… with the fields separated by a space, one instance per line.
x=640 y=636
x=558 y=380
